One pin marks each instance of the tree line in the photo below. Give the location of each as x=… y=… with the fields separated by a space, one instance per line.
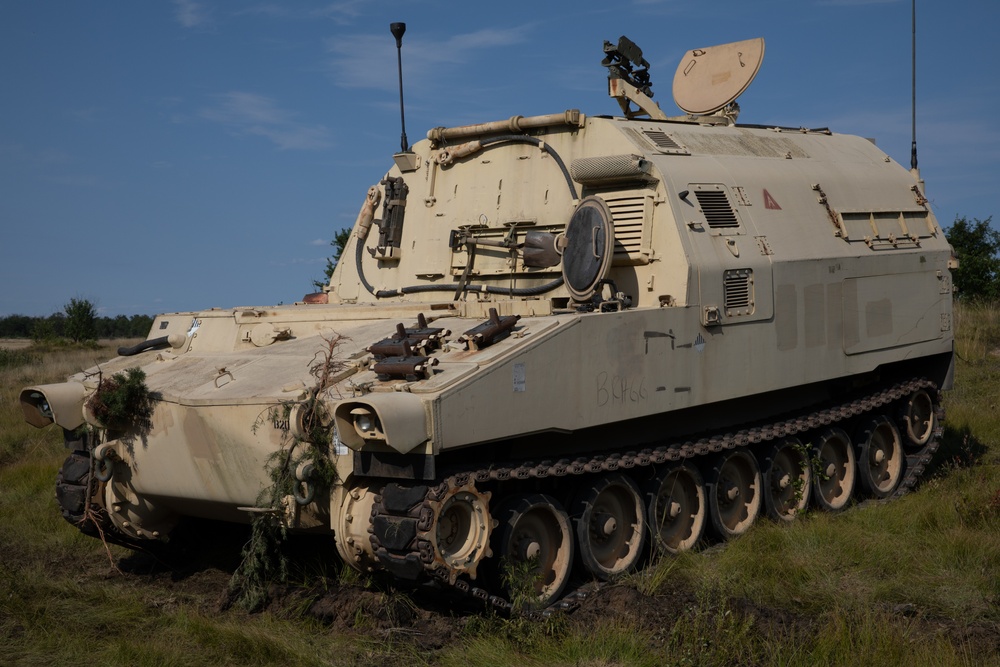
x=77 y=322
x=976 y=244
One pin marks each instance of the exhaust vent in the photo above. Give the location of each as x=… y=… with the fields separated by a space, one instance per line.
x=662 y=140
x=738 y=290
x=658 y=140
x=715 y=205
x=631 y=214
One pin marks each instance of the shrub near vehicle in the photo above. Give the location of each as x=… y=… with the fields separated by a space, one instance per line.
x=556 y=341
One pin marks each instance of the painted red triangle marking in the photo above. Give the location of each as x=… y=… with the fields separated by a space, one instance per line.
x=770 y=202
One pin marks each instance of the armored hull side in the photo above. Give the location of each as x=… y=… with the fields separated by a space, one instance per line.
x=569 y=338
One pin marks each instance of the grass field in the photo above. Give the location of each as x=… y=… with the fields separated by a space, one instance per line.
x=911 y=582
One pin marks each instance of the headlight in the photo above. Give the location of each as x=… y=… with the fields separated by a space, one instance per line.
x=61 y=403
x=396 y=419
x=366 y=424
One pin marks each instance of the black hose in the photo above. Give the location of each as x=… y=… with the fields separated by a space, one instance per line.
x=361 y=270
x=489 y=289
x=143 y=346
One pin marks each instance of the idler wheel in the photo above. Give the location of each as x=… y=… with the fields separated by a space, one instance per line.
x=676 y=508
x=734 y=497
x=880 y=458
x=787 y=477
x=833 y=460
x=918 y=420
x=610 y=521
x=535 y=547
x=460 y=532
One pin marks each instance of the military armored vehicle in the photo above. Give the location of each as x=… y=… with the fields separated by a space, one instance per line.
x=571 y=340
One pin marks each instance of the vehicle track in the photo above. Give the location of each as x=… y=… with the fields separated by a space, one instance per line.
x=401 y=513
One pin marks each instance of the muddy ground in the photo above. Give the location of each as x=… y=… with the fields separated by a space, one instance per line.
x=430 y=619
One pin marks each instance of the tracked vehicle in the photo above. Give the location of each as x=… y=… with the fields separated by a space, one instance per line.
x=561 y=341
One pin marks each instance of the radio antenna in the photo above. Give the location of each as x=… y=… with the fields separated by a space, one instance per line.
x=913 y=101
x=397 y=31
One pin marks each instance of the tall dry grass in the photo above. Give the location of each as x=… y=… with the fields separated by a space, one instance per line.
x=911 y=582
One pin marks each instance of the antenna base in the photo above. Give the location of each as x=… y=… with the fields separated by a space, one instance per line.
x=407 y=161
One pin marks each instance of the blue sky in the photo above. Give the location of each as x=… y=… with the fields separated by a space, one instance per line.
x=165 y=156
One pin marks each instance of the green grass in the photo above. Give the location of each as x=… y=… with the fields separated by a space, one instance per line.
x=934 y=553
x=15 y=358
x=912 y=582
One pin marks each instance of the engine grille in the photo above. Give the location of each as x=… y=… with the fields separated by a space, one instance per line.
x=717 y=209
x=738 y=290
x=629 y=216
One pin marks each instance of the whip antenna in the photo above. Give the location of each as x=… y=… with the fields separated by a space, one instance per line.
x=913 y=101
x=397 y=31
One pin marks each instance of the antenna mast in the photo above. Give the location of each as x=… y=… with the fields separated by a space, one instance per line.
x=913 y=102
x=397 y=31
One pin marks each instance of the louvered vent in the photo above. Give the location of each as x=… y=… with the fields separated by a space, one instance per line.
x=738 y=289
x=662 y=140
x=717 y=209
x=629 y=217
x=658 y=140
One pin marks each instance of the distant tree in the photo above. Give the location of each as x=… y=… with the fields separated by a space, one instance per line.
x=339 y=241
x=139 y=326
x=48 y=328
x=81 y=320
x=121 y=327
x=977 y=246
x=16 y=326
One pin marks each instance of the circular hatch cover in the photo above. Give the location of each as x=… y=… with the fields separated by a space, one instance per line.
x=590 y=240
x=710 y=78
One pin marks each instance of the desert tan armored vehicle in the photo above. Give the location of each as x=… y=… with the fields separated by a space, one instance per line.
x=559 y=340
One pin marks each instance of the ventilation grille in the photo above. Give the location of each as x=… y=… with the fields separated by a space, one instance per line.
x=718 y=212
x=662 y=140
x=738 y=289
x=629 y=217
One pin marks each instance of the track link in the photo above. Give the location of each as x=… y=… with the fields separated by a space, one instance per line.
x=401 y=512
x=76 y=488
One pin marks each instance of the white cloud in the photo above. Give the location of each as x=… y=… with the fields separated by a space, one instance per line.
x=256 y=115
x=369 y=61
x=190 y=14
x=266 y=9
x=319 y=242
x=343 y=12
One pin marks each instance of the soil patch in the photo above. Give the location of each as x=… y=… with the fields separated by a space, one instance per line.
x=431 y=619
